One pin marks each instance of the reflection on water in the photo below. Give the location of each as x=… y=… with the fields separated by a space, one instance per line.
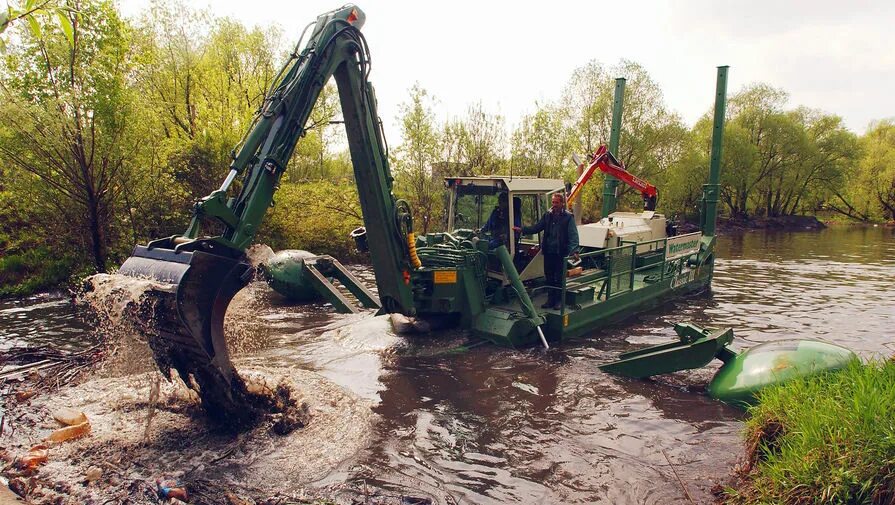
x=495 y=425
x=46 y=319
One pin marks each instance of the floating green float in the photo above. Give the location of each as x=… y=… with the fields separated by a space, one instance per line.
x=283 y=272
x=743 y=375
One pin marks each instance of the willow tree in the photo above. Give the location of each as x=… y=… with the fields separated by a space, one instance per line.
x=878 y=165
x=69 y=126
x=868 y=191
x=415 y=158
x=541 y=146
x=203 y=78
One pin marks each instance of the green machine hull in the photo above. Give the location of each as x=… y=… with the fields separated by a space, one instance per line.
x=490 y=309
x=455 y=281
x=741 y=378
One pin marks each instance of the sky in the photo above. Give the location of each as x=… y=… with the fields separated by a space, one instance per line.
x=838 y=57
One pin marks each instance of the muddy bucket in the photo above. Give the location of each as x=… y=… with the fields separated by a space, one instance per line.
x=186 y=330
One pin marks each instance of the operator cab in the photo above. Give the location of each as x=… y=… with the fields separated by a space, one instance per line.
x=491 y=206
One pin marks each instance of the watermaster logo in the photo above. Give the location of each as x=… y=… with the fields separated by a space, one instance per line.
x=676 y=248
x=682 y=245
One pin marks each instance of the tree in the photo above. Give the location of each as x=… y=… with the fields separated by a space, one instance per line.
x=475 y=143
x=587 y=103
x=868 y=189
x=203 y=78
x=541 y=145
x=69 y=100
x=778 y=162
x=415 y=157
x=878 y=164
x=33 y=11
x=312 y=158
x=453 y=150
x=653 y=139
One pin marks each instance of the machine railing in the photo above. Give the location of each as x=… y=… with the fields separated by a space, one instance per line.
x=615 y=269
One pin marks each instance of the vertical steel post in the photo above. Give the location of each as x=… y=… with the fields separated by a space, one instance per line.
x=610 y=183
x=711 y=191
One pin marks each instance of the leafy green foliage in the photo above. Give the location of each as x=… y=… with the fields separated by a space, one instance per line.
x=541 y=145
x=31 y=11
x=413 y=161
x=315 y=216
x=71 y=145
x=868 y=189
x=778 y=162
x=837 y=448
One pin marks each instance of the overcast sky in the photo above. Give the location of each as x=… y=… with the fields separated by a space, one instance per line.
x=835 y=56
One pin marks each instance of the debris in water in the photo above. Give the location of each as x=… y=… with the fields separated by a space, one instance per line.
x=69 y=417
x=45 y=367
x=122 y=466
x=36 y=456
x=93 y=474
x=69 y=433
x=528 y=388
x=171 y=490
x=24 y=396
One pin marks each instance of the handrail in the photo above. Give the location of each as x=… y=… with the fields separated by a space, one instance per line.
x=647 y=242
x=611 y=271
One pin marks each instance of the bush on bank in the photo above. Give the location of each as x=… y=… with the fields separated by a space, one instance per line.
x=824 y=439
x=315 y=216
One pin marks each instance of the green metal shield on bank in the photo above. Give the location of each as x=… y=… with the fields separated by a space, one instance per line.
x=738 y=381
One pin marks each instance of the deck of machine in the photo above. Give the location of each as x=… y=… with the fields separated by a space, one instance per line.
x=599 y=296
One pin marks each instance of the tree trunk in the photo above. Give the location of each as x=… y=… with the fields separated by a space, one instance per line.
x=97 y=241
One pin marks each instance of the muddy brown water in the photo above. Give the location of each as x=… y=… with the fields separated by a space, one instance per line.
x=532 y=426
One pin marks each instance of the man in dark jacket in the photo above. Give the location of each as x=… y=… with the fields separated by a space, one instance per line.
x=558 y=240
x=498 y=222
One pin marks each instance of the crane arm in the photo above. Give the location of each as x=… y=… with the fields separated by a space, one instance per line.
x=336 y=49
x=200 y=274
x=605 y=162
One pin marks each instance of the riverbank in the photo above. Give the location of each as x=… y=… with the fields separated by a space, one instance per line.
x=781 y=223
x=824 y=439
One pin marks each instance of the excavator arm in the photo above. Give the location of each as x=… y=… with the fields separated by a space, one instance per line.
x=605 y=162
x=200 y=274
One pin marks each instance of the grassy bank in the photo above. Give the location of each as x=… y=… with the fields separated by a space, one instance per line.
x=826 y=439
x=35 y=270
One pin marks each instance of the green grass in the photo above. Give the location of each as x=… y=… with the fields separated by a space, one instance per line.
x=823 y=439
x=32 y=271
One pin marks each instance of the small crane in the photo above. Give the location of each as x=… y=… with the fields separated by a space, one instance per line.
x=603 y=160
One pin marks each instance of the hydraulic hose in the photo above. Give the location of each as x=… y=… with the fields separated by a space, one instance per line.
x=411 y=248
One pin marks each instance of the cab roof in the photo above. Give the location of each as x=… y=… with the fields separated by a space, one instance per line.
x=515 y=184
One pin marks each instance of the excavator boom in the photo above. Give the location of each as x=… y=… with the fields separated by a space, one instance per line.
x=201 y=274
x=605 y=162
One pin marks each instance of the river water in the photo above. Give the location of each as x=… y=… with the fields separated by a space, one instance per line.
x=523 y=426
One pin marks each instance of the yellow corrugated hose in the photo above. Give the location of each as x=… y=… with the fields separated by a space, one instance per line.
x=411 y=246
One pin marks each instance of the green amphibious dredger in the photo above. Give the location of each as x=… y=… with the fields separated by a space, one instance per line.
x=629 y=261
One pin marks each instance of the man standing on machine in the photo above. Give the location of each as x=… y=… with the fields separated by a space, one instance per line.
x=558 y=241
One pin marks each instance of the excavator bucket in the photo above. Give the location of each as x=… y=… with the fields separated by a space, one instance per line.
x=186 y=331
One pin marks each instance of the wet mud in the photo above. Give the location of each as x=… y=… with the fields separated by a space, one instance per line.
x=136 y=439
